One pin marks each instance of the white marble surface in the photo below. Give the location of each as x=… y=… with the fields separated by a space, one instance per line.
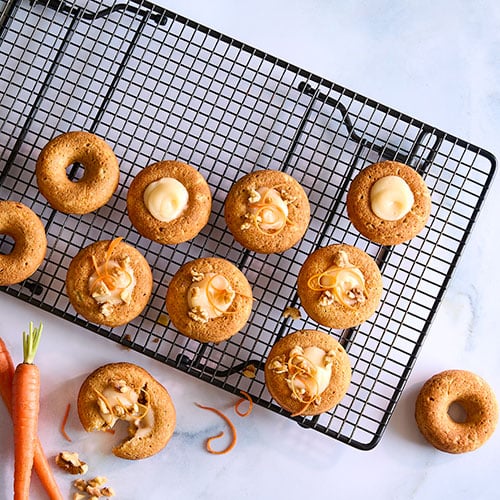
x=435 y=60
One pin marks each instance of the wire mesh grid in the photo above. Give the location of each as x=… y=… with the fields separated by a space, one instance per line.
x=157 y=86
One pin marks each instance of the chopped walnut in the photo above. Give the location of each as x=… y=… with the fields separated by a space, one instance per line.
x=278 y=365
x=93 y=488
x=163 y=320
x=253 y=196
x=341 y=259
x=198 y=314
x=249 y=371
x=196 y=276
x=291 y=312
x=70 y=462
x=326 y=299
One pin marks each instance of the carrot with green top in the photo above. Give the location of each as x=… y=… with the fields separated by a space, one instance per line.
x=25 y=409
x=40 y=462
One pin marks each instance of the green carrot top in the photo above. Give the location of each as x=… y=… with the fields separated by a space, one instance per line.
x=30 y=343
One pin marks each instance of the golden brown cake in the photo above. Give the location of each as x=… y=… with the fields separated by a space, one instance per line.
x=473 y=395
x=267 y=211
x=209 y=299
x=99 y=180
x=30 y=242
x=339 y=286
x=109 y=282
x=388 y=203
x=124 y=391
x=307 y=372
x=169 y=202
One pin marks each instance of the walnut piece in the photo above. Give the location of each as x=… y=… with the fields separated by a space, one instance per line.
x=93 y=488
x=70 y=462
x=291 y=312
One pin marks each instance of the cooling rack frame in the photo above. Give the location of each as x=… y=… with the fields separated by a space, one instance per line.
x=156 y=85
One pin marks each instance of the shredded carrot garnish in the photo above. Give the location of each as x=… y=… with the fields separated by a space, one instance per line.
x=103 y=272
x=263 y=205
x=242 y=400
x=334 y=279
x=216 y=294
x=64 y=422
x=232 y=444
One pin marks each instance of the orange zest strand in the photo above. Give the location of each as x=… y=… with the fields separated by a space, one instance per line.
x=40 y=462
x=210 y=299
x=232 y=444
x=268 y=205
x=64 y=422
x=334 y=276
x=242 y=400
x=103 y=273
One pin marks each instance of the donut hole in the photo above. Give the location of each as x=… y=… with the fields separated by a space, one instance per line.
x=75 y=172
x=7 y=244
x=457 y=412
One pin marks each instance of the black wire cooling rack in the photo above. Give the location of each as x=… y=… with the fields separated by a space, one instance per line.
x=157 y=86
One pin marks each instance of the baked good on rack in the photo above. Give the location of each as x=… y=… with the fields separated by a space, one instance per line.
x=30 y=242
x=169 y=202
x=124 y=391
x=209 y=299
x=109 y=282
x=339 y=286
x=96 y=186
x=468 y=391
x=388 y=203
x=267 y=211
x=307 y=372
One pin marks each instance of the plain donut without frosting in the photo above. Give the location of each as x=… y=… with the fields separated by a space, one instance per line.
x=99 y=180
x=30 y=242
x=476 y=398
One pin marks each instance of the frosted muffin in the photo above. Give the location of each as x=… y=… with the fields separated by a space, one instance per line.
x=109 y=282
x=339 y=286
x=169 y=202
x=209 y=299
x=388 y=203
x=307 y=372
x=124 y=391
x=267 y=211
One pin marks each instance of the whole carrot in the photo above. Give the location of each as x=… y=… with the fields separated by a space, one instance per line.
x=40 y=462
x=25 y=409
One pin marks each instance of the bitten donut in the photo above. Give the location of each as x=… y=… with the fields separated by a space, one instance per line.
x=124 y=391
x=96 y=186
x=475 y=397
x=209 y=299
x=339 y=286
x=30 y=242
x=109 y=282
x=388 y=203
x=267 y=211
x=169 y=202
x=307 y=372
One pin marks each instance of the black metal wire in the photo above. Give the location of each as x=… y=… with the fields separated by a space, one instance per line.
x=156 y=85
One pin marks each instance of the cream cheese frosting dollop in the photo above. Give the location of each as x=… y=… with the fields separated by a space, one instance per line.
x=166 y=199
x=112 y=284
x=268 y=204
x=321 y=372
x=210 y=297
x=391 y=198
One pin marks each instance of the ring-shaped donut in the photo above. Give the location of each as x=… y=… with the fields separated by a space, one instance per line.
x=96 y=186
x=476 y=398
x=30 y=242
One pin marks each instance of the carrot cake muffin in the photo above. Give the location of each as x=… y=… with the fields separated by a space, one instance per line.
x=109 y=282
x=339 y=286
x=169 y=202
x=307 y=372
x=388 y=203
x=30 y=242
x=209 y=299
x=99 y=180
x=124 y=391
x=267 y=211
